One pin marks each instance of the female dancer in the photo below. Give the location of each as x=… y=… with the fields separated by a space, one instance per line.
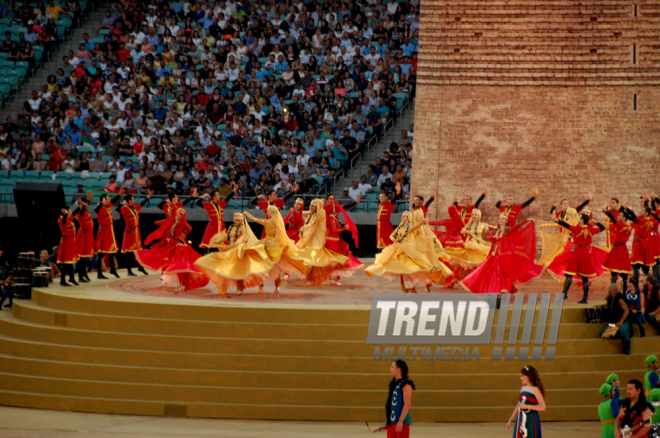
x=334 y=241
x=475 y=250
x=172 y=255
x=511 y=259
x=405 y=259
x=635 y=412
x=530 y=403
x=311 y=245
x=294 y=220
x=399 y=400
x=242 y=263
x=280 y=248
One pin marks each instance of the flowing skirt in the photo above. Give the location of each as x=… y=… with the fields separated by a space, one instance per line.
x=559 y=266
x=174 y=258
x=399 y=261
x=469 y=256
x=233 y=264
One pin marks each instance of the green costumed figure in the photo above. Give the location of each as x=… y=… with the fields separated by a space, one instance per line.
x=613 y=380
x=651 y=378
x=607 y=411
x=655 y=401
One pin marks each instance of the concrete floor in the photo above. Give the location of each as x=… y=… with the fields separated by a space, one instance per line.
x=33 y=423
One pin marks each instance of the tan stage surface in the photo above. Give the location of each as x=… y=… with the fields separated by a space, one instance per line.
x=34 y=423
x=357 y=290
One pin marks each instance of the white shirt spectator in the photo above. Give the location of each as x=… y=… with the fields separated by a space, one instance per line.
x=35 y=104
x=383 y=177
x=302 y=160
x=361 y=190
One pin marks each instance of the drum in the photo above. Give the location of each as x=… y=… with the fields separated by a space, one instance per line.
x=23 y=291
x=40 y=278
x=27 y=260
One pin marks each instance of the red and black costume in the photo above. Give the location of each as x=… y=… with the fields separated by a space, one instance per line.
x=513 y=211
x=170 y=208
x=654 y=238
x=279 y=203
x=452 y=236
x=216 y=222
x=643 y=254
x=618 y=260
x=466 y=212
x=67 y=251
x=425 y=207
x=580 y=262
x=105 y=237
x=610 y=225
x=294 y=221
x=333 y=240
x=84 y=239
x=132 y=241
x=384 y=227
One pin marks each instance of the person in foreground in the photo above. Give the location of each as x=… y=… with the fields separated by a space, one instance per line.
x=635 y=413
x=531 y=401
x=399 y=401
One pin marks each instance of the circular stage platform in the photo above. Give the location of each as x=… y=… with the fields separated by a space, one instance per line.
x=129 y=346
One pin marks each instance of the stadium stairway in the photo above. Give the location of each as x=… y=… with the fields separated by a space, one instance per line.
x=90 y=24
x=77 y=351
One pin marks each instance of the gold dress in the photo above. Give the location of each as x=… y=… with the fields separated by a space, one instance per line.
x=414 y=256
x=280 y=248
x=474 y=250
x=243 y=262
x=555 y=237
x=311 y=246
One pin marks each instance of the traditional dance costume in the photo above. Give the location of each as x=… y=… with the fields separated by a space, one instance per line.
x=242 y=262
x=610 y=225
x=643 y=253
x=311 y=246
x=279 y=203
x=334 y=241
x=384 y=227
x=294 y=221
x=216 y=223
x=106 y=243
x=67 y=251
x=618 y=260
x=466 y=212
x=413 y=256
x=654 y=237
x=528 y=422
x=581 y=262
x=425 y=207
x=84 y=240
x=513 y=211
x=475 y=249
x=172 y=256
x=280 y=248
x=510 y=260
x=452 y=237
x=132 y=241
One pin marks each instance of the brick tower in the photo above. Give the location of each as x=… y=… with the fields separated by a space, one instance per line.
x=560 y=94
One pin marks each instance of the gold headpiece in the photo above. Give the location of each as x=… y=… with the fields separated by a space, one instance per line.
x=238 y=216
x=300 y=201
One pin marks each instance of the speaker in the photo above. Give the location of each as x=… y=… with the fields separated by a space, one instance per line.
x=38 y=206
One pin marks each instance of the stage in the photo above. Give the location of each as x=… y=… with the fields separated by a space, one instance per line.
x=130 y=346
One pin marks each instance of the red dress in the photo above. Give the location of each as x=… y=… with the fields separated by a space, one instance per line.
x=654 y=237
x=216 y=223
x=295 y=222
x=67 y=251
x=642 y=251
x=610 y=227
x=172 y=255
x=511 y=213
x=132 y=240
x=452 y=237
x=510 y=260
x=384 y=227
x=85 y=239
x=581 y=262
x=105 y=237
x=618 y=260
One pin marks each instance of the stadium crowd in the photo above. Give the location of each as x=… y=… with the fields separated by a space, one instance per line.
x=178 y=96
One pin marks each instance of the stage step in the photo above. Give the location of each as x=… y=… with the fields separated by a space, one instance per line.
x=81 y=352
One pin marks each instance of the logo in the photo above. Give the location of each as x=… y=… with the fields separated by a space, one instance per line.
x=464 y=321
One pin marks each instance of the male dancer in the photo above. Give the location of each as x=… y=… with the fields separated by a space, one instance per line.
x=105 y=237
x=384 y=227
x=614 y=208
x=511 y=209
x=172 y=204
x=581 y=262
x=618 y=260
x=85 y=238
x=67 y=252
x=654 y=236
x=418 y=202
x=132 y=239
x=453 y=226
x=642 y=254
x=651 y=378
x=466 y=208
x=214 y=209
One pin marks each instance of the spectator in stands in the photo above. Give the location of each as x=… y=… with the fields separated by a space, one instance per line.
x=617 y=311
x=384 y=176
